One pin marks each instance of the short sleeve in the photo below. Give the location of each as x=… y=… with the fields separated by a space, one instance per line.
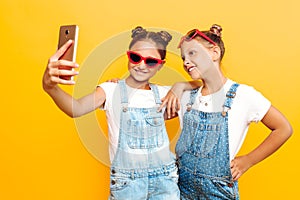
x=109 y=89
x=258 y=105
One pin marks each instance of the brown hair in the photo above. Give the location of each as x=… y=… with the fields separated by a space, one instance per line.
x=215 y=34
x=161 y=39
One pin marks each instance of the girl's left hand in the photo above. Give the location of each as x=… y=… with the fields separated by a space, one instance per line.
x=239 y=166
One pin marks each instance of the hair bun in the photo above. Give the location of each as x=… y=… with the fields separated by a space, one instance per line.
x=216 y=30
x=138 y=30
x=167 y=37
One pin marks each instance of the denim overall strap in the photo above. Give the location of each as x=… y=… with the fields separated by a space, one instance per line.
x=192 y=99
x=154 y=88
x=229 y=98
x=124 y=96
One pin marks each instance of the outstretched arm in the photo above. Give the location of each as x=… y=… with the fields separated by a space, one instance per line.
x=56 y=69
x=281 y=130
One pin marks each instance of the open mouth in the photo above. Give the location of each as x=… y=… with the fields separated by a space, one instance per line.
x=190 y=69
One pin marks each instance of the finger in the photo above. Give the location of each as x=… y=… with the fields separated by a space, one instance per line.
x=162 y=104
x=231 y=164
x=61 y=51
x=174 y=108
x=178 y=105
x=234 y=174
x=62 y=72
x=67 y=73
x=169 y=108
x=61 y=63
x=113 y=80
x=58 y=80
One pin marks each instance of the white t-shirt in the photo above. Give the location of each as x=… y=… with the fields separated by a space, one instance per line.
x=138 y=98
x=248 y=106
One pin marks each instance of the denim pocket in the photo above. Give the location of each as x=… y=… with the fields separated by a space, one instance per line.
x=155 y=121
x=205 y=142
x=145 y=133
x=227 y=189
x=119 y=183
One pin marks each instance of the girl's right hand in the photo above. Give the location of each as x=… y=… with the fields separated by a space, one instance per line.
x=59 y=71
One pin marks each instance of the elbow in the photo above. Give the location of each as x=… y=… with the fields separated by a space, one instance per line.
x=289 y=130
x=74 y=114
x=71 y=114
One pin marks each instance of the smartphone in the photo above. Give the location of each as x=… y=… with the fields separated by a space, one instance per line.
x=68 y=32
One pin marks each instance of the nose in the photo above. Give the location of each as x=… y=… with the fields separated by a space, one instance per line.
x=142 y=65
x=186 y=62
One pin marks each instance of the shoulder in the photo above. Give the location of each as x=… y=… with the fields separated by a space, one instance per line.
x=243 y=90
x=108 y=86
x=248 y=92
x=252 y=101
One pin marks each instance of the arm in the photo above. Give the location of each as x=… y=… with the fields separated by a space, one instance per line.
x=172 y=99
x=281 y=130
x=77 y=107
x=72 y=107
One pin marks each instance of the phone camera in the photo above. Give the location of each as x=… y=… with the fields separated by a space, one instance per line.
x=67 y=32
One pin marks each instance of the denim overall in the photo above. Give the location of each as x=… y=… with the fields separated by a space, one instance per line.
x=203 y=153
x=143 y=167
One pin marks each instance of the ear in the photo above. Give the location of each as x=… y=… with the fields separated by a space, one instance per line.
x=160 y=66
x=216 y=53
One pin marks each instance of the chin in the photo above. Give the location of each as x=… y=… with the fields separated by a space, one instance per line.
x=195 y=76
x=140 y=79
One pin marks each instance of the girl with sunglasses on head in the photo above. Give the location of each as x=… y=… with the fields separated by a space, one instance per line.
x=215 y=119
x=143 y=167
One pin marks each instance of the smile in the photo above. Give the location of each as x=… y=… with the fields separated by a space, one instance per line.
x=190 y=69
x=140 y=71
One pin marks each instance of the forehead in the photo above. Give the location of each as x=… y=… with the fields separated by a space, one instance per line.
x=146 y=48
x=190 y=44
x=144 y=44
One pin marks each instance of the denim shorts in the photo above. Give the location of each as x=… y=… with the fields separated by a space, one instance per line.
x=157 y=187
x=204 y=187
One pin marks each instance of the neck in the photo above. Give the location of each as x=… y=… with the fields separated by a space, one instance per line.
x=144 y=85
x=213 y=84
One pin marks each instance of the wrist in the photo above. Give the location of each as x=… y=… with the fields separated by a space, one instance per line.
x=49 y=88
x=251 y=160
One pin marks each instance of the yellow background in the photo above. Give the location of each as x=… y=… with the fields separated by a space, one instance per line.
x=41 y=155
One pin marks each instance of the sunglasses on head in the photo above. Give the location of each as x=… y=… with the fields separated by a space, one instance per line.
x=192 y=34
x=149 y=61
